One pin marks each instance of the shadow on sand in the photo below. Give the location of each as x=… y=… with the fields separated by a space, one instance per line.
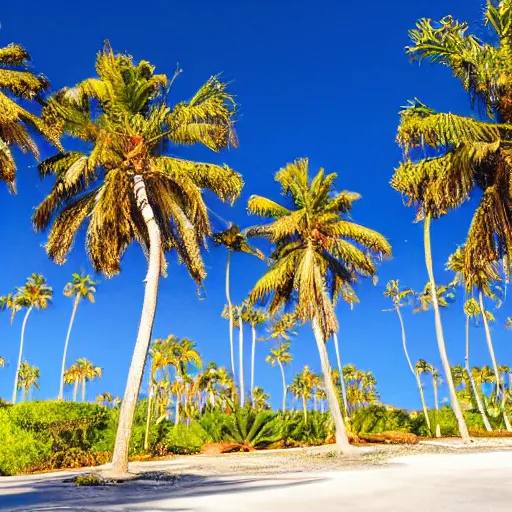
x=131 y=496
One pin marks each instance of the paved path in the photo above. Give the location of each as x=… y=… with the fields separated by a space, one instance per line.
x=469 y=482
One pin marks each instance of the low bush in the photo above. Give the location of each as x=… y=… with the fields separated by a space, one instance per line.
x=315 y=431
x=376 y=419
x=391 y=438
x=88 y=481
x=184 y=440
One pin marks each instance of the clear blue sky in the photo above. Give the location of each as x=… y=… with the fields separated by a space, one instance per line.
x=321 y=79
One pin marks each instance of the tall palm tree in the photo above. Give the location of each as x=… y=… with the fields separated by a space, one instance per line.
x=87 y=372
x=128 y=188
x=482 y=279
x=234 y=240
x=235 y=315
x=400 y=297
x=317 y=251
x=81 y=287
x=462 y=153
x=35 y=294
x=280 y=356
x=254 y=317
x=302 y=388
x=436 y=379
x=17 y=84
x=28 y=378
x=423 y=367
x=483 y=375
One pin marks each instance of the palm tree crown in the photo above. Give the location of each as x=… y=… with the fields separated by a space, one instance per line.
x=124 y=116
x=81 y=285
x=316 y=250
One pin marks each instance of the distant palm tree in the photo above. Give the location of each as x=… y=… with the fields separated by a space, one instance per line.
x=2 y=362
x=436 y=378
x=17 y=84
x=260 y=399
x=35 y=294
x=234 y=240
x=87 y=372
x=318 y=250
x=280 y=356
x=105 y=398
x=254 y=317
x=236 y=314
x=302 y=387
x=81 y=287
x=28 y=378
x=72 y=377
x=423 y=367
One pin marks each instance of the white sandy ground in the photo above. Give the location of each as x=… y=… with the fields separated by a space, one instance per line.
x=463 y=482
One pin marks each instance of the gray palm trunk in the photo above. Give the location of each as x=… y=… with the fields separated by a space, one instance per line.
x=342 y=442
x=411 y=367
x=63 y=368
x=305 y=408
x=463 y=429
x=423 y=403
x=253 y=357
x=476 y=394
x=129 y=402
x=241 y=357
x=84 y=380
x=493 y=359
x=342 y=376
x=284 y=384
x=20 y=355
x=75 y=389
x=177 y=410
x=436 y=400
x=230 y=312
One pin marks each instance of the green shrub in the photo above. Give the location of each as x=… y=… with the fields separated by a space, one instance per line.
x=214 y=423
x=21 y=450
x=257 y=429
x=315 y=431
x=183 y=439
x=376 y=419
x=88 y=481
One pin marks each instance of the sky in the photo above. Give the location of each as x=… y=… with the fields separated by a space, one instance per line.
x=323 y=80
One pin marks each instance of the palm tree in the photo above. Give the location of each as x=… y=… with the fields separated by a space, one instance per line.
x=17 y=83
x=81 y=287
x=317 y=252
x=302 y=388
x=436 y=378
x=260 y=399
x=105 y=398
x=462 y=153
x=234 y=240
x=361 y=387
x=87 y=372
x=235 y=315
x=482 y=279
x=2 y=362
x=254 y=317
x=423 y=367
x=128 y=189
x=72 y=377
x=280 y=356
x=35 y=294
x=28 y=377
x=399 y=298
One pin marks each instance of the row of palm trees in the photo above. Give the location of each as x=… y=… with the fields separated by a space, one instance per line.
x=128 y=187
x=37 y=295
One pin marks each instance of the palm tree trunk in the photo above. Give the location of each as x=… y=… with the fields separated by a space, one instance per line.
x=478 y=400
x=284 y=384
x=20 y=355
x=305 y=408
x=423 y=403
x=83 y=389
x=463 y=429
x=124 y=429
x=63 y=368
x=342 y=377
x=436 y=401
x=404 y=341
x=342 y=442
x=241 y=357
x=253 y=356
x=25 y=393
x=230 y=311
x=75 y=389
x=177 y=411
x=493 y=359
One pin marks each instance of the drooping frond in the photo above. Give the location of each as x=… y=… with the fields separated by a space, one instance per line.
x=267 y=208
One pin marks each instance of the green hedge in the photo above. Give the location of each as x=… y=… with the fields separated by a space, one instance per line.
x=376 y=419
